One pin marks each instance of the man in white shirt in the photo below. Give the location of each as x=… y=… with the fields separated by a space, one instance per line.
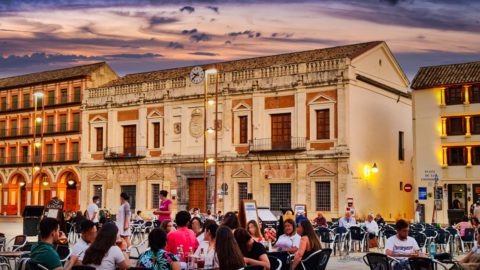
x=401 y=246
x=88 y=233
x=92 y=210
x=371 y=226
x=347 y=221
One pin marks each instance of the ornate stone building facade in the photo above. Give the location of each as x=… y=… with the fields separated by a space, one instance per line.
x=304 y=127
x=40 y=135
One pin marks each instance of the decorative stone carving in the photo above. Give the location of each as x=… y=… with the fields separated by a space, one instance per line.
x=177 y=128
x=241 y=173
x=196 y=124
x=96 y=176
x=321 y=172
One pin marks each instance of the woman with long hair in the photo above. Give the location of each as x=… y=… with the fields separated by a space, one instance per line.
x=106 y=253
x=231 y=220
x=309 y=243
x=290 y=240
x=156 y=257
x=229 y=256
x=207 y=247
x=254 y=231
x=254 y=252
x=167 y=226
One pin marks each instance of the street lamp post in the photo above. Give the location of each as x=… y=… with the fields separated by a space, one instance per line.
x=37 y=120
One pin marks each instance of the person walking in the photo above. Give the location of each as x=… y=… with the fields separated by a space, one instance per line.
x=123 y=218
x=165 y=209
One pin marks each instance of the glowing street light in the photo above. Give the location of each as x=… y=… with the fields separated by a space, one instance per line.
x=38 y=119
x=210 y=160
x=38 y=144
x=210 y=130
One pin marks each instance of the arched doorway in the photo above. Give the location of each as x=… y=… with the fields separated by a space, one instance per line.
x=42 y=187
x=67 y=189
x=16 y=194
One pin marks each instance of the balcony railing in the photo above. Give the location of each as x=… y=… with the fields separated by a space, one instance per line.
x=49 y=102
x=269 y=145
x=45 y=159
x=121 y=152
x=48 y=130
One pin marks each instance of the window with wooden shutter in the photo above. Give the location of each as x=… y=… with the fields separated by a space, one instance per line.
x=455 y=126
x=99 y=139
x=456 y=156
x=323 y=124
x=156 y=135
x=243 y=129
x=454 y=95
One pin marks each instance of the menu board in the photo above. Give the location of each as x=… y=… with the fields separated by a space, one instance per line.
x=248 y=211
x=54 y=209
x=300 y=208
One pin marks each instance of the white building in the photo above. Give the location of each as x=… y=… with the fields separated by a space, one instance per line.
x=447 y=136
x=304 y=127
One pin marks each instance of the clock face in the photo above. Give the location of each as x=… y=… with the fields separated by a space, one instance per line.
x=197 y=75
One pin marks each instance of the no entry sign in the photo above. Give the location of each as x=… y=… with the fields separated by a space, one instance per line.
x=408 y=188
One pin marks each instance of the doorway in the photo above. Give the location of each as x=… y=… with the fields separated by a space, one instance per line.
x=23 y=199
x=47 y=196
x=197 y=190
x=457 y=196
x=72 y=198
x=281 y=131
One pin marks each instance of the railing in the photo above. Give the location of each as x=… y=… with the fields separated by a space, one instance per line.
x=121 y=152
x=48 y=130
x=287 y=144
x=49 y=101
x=45 y=159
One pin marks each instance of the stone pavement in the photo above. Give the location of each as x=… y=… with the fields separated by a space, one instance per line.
x=13 y=226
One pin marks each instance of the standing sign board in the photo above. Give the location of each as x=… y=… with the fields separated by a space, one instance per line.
x=248 y=211
x=54 y=209
x=300 y=208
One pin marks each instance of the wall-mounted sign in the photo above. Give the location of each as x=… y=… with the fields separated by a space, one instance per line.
x=408 y=188
x=429 y=175
x=422 y=193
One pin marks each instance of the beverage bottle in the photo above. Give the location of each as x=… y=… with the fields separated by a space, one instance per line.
x=182 y=254
x=433 y=250
x=179 y=254
x=190 y=260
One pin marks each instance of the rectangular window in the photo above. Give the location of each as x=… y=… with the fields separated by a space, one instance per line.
x=14 y=102
x=75 y=151
x=455 y=126
x=281 y=131
x=323 y=124
x=99 y=140
x=76 y=121
x=13 y=155
x=2 y=129
x=63 y=122
x=156 y=135
x=243 y=128
x=62 y=150
x=280 y=196
x=50 y=124
x=49 y=157
x=155 y=196
x=24 y=154
x=456 y=156
x=77 y=94
x=322 y=196
x=98 y=191
x=26 y=101
x=39 y=102
x=64 y=96
x=130 y=140
x=13 y=128
x=242 y=191
x=3 y=104
x=476 y=155
x=454 y=95
x=2 y=155
x=475 y=94
x=401 y=146
x=131 y=191
x=25 y=126
x=51 y=97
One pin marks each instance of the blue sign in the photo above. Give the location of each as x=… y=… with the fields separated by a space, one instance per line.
x=422 y=193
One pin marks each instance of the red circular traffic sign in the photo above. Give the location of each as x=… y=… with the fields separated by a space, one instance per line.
x=408 y=187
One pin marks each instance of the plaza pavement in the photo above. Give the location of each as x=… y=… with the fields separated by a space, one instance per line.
x=14 y=226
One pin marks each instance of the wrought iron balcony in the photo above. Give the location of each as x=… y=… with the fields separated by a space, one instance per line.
x=58 y=158
x=121 y=152
x=277 y=145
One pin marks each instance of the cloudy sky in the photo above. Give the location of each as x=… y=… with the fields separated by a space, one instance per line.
x=142 y=35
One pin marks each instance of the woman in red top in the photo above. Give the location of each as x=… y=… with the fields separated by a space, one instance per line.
x=165 y=207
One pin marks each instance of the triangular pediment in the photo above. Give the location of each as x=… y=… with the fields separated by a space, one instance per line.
x=241 y=173
x=155 y=176
x=97 y=177
x=321 y=172
x=155 y=114
x=242 y=107
x=98 y=118
x=322 y=99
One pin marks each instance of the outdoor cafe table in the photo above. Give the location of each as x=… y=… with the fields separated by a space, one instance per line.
x=13 y=254
x=283 y=256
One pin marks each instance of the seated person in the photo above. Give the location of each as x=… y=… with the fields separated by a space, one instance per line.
x=88 y=233
x=156 y=257
x=253 y=252
x=474 y=251
x=290 y=240
x=401 y=246
x=309 y=243
x=43 y=252
x=347 y=221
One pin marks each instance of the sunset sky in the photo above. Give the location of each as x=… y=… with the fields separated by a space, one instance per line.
x=135 y=36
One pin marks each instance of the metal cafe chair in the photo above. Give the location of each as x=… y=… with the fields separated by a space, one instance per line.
x=378 y=261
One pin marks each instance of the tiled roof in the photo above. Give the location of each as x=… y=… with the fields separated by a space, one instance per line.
x=347 y=51
x=49 y=76
x=428 y=77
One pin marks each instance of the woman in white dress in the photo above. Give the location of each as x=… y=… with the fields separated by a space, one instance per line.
x=123 y=218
